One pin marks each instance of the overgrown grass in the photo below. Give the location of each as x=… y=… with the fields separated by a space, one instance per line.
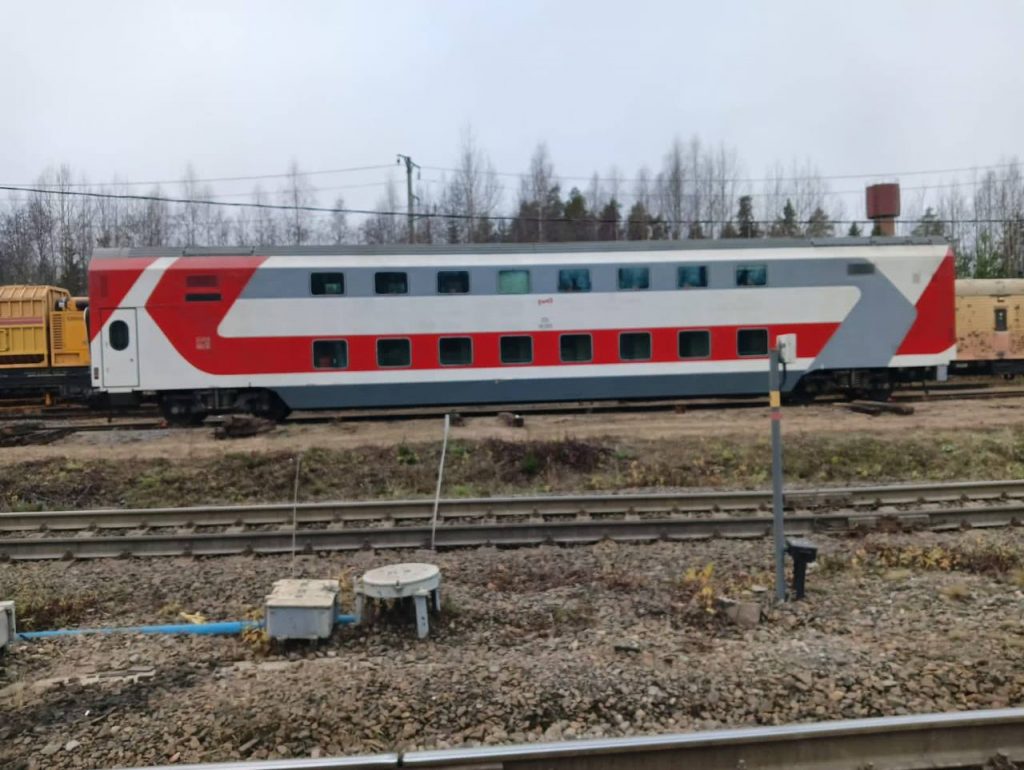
x=495 y=467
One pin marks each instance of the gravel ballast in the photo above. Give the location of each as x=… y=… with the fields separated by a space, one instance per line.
x=534 y=644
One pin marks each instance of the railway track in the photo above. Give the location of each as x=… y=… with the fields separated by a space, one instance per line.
x=514 y=521
x=143 y=418
x=964 y=740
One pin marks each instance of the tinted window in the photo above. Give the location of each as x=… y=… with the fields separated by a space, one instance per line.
x=1000 y=319
x=201 y=281
x=752 y=342
x=516 y=350
x=575 y=347
x=455 y=351
x=751 y=275
x=635 y=346
x=327 y=283
x=393 y=353
x=692 y=277
x=574 y=279
x=453 y=282
x=513 y=282
x=330 y=354
x=391 y=283
x=118 y=335
x=634 y=278
x=694 y=344
x=202 y=297
x=860 y=268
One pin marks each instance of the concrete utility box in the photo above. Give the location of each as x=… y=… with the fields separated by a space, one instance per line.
x=302 y=609
x=6 y=624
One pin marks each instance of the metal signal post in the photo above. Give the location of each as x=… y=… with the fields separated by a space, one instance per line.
x=784 y=351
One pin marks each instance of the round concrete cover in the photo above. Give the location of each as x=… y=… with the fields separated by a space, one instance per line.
x=401 y=579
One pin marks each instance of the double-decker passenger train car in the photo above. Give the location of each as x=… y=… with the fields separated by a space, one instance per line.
x=334 y=327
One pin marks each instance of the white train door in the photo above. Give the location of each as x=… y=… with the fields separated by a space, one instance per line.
x=120 y=350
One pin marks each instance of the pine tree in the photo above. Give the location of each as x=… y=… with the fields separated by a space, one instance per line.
x=608 y=226
x=637 y=225
x=729 y=231
x=579 y=222
x=819 y=226
x=929 y=224
x=854 y=231
x=786 y=226
x=746 y=225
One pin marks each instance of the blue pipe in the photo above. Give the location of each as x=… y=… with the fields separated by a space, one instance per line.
x=227 y=627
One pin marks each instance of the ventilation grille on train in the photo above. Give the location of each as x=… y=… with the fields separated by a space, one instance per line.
x=57 y=324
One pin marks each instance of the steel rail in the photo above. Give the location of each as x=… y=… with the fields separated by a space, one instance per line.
x=579 y=531
x=561 y=506
x=954 y=740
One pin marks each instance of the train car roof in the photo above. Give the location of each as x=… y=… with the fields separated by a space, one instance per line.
x=989 y=287
x=511 y=248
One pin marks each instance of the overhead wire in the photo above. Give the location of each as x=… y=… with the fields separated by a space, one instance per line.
x=444 y=215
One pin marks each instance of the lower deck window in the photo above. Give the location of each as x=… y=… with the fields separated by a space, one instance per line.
x=752 y=342
x=391 y=353
x=694 y=344
x=330 y=354
x=516 y=350
x=455 y=351
x=635 y=346
x=576 y=348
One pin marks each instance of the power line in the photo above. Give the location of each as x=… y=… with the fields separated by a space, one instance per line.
x=209 y=179
x=747 y=180
x=470 y=217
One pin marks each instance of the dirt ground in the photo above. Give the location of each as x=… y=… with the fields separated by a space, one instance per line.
x=533 y=644
x=739 y=423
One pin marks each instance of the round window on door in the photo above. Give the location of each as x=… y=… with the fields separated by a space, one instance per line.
x=118 y=335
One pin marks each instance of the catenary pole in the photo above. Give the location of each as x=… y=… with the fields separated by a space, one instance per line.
x=409 y=166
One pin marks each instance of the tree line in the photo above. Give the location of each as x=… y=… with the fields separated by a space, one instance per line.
x=696 y=192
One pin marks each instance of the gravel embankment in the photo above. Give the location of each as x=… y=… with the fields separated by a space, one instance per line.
x=535 y=644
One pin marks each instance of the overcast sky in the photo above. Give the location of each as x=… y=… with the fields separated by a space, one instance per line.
x=138 y=89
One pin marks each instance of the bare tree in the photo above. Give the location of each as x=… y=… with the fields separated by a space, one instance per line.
x=337 y=229
x=297 y=193
x=472 y=194
x=672 y=189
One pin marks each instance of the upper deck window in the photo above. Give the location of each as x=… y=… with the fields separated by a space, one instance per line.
x=632 y=278
x=513 y=282
x=391 y=283
x=327 y=283
x=453 y=282
x=692 y=277
x=201 y=281
x=752 y=275
x=574 y=279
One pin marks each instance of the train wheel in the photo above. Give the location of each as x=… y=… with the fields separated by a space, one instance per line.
x=182 y=413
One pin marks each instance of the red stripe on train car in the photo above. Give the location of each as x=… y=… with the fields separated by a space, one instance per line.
x=934 y=329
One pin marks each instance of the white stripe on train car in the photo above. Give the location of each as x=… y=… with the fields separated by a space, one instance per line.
x=301 y=317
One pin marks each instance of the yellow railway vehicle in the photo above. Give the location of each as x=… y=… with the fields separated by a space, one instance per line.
x=44 y=342
x=990 y=326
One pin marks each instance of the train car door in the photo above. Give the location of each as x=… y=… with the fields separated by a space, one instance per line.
x=120 y=350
